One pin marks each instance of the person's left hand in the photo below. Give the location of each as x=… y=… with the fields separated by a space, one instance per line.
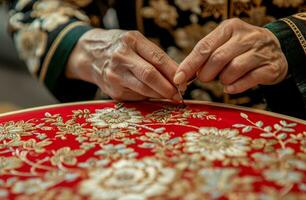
x=242 y=55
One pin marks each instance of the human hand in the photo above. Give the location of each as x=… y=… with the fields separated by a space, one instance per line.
x=124 y=64
x=242 y=55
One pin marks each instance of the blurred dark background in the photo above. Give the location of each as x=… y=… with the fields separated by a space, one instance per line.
x=18 y=89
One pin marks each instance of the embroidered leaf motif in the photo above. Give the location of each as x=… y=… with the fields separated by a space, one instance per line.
x=243 y=115
x=282 y=136
x=277 y=127
x=259 y=124
x=247 y=129
x=268 y=128
x=288 y=129
x=147 y=145
x=174 y=140
x=266 y=135
x=239 y=125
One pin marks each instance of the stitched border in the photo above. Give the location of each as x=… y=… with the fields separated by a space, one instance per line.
x=54 y=47
x=297 y=32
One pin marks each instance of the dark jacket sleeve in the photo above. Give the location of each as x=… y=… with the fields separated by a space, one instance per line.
x=289 y=96
x=44 y=33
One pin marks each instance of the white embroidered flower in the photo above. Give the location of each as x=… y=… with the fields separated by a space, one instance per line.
x=115 y=118
x=31 y=186
x=116 y=151
x=31 y=43
x=54 y=20
x=215 y=144
x=216 y=181
x=129 y=179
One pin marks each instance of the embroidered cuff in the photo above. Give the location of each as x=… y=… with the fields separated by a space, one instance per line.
x=289 y=97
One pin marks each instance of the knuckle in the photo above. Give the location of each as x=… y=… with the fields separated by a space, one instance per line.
x=130 y=37
x=135 y=34
x=236 y=66
x=158 y=57
x=204 y=47
x=147 y=73
x=117 y=56
x=231 y=22
x=218 y=57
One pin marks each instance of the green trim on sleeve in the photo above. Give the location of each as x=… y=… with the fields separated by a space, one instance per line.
x=67 y=89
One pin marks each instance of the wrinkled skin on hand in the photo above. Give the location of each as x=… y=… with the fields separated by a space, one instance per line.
x=124 y=64
x=241 y=55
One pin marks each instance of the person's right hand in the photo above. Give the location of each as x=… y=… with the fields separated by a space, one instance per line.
x=124 y=64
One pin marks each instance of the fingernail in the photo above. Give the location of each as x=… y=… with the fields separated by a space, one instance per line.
x=229 y=89
x=176 y=97
x=179 y=78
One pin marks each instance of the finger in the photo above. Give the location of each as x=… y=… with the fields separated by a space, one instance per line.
x=240 y=66
x=262 y=75
x=150 y=76
x=201 y=52
x=137 y=86
x=156 y=57
x=220 y=58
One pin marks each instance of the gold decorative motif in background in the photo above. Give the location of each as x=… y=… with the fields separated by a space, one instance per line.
x=163 y=14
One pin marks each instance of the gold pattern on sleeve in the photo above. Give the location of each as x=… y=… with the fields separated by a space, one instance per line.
x=297 y=32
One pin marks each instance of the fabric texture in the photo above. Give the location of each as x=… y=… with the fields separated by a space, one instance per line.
x=151 y=150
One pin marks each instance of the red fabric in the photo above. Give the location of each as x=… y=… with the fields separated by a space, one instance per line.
x=151 y=150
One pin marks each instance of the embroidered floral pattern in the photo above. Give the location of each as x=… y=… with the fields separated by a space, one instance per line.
x=128 y=179
x=114 y=118
x=214 y=144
